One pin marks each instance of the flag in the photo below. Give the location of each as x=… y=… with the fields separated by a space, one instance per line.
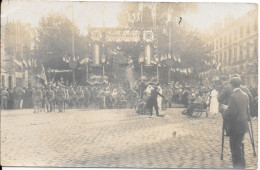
x=25 y=64
x=42 y=76
x=163 y=57
x=179 y=60
x=29 y=63
x=33 y=63
x=175 y=59
x=219 y=66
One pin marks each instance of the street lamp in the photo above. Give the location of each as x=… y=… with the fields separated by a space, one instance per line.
x=141 y=60
x=157 y=67
x=87 y=60
x=103 y=60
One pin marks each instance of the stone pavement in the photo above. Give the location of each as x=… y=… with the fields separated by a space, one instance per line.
x=115 y=138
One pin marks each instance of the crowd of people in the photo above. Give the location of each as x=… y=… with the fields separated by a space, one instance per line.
x=60 y=97
x=238 y=99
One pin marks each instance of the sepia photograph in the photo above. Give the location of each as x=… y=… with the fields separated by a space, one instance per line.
x=129 y=84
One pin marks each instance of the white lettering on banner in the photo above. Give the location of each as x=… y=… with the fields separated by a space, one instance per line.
x=123 y=35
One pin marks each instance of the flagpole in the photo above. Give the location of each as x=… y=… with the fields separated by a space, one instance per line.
x=73 y=50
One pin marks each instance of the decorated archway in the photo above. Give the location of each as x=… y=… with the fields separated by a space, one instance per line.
x=128 y=48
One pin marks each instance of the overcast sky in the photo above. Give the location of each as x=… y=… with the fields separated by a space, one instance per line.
x=94 y=13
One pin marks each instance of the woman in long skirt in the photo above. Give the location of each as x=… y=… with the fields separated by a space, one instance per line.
x=159 y=98
x=213 y=108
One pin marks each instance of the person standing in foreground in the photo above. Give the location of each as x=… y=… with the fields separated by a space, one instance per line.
x=159 y=98
x=37 y=97
x=152 y=101
x=237 y=116
x=60 y=97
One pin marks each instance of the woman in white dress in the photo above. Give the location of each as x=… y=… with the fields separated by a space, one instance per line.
x=149 y=89
x=213 y=108
x=159 y=98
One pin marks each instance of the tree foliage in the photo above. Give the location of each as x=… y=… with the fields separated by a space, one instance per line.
x=54 y=41
x=186 y=42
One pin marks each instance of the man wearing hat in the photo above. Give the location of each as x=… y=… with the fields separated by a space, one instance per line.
x=37 y=97
x=237 y=116
x=60 y=97
x=225 y=92
x=152 y=101
x=49 y=99
x=4 y=98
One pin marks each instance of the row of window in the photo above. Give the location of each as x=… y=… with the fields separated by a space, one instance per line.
x=237 y=53
x=233 y=35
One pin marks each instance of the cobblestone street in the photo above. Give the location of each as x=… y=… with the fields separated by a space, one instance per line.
x=115 y=138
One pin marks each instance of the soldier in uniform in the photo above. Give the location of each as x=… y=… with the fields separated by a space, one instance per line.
x=43 y=101
x=133 y=96
x=71 y=95
x=37 y=97
x=4 y=98
x=79 y=96
x=60 y=96
x=49 y=99
x=19 y=97
x=54 y=102
x=15 y=98
x=66 y=99
x=86 y=96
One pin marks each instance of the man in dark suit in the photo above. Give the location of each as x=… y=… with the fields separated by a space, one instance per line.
x=152 y=101
x=225 y=91
x=237 y=116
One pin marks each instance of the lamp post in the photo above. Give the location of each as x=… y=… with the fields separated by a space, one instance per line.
x=87 y=60
x=141 y=60
x=103 y=60
x=157 y=68
x=170 y=38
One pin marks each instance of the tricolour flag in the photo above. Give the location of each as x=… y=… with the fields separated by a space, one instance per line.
x=42 y=76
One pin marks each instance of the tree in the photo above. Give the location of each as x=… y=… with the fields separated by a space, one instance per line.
x=54 y=41
x=186 y=43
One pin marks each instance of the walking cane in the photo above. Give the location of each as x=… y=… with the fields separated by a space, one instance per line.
x=251 y=134
x=222 y=147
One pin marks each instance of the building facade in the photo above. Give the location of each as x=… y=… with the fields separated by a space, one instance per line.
x=16 y=46
x=235 y=47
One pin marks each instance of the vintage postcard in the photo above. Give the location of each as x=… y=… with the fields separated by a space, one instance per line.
x=115 y=84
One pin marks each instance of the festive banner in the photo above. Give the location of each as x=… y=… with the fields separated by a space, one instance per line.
x=123 y=36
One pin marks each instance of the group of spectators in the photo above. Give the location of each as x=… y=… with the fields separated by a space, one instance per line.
x=211 y=94
x=61 y=97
